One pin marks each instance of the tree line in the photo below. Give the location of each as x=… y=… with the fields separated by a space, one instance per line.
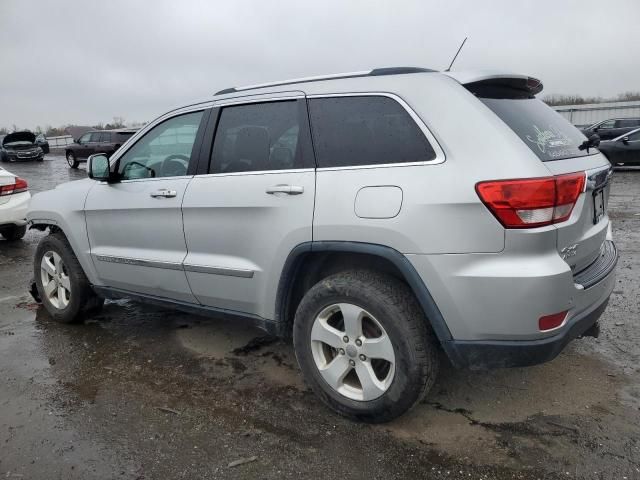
x=556 y=99
x=50 y=131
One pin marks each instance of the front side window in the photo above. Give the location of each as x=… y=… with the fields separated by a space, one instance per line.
x=84 y=138
x=164 y=151
x=367 y=130
x=95 y=137
x=606 y=124
x=260 y=137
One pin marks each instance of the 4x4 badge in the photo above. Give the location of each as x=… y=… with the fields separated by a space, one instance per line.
x=570 y=251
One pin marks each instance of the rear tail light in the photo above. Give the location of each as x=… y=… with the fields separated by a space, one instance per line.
x=532 y=202
x=549 y=322
x=18 y=187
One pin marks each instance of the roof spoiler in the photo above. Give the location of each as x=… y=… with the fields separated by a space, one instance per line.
x=478 y=81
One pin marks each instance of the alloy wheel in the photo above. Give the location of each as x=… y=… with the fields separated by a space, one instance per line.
x=56 y=283
x=352 y=351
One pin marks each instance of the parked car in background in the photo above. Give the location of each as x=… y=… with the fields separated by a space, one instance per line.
x=623 y=150
x=19 y=147
x=612 y=128
x=14 y=202
x=97 y=141
x=42 y=142
x=356 y=214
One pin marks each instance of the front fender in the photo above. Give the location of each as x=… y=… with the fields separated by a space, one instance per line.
x=63 y=208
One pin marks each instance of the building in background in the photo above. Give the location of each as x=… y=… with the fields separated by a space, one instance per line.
x=588 y=114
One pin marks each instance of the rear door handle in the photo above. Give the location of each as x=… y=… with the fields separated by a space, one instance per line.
x=288 y=189
x=164 y=193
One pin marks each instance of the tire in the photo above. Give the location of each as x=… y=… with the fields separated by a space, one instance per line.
x=14 y=233
x=386 y=306
x=80 y=301
x=72 y=160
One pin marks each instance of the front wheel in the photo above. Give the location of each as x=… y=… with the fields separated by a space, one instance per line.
x=72 y=160
x=364 y=345
x=62 y=285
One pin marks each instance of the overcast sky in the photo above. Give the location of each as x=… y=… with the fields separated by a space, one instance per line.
x=85 y=62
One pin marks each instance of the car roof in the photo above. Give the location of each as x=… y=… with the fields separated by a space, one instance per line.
x=116 y=130
x=339 y=81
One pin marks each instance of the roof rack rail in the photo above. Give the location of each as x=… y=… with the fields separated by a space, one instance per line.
x=365 y=73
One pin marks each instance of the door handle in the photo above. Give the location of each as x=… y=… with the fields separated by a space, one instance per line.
x=164 y=193
x=288 y=189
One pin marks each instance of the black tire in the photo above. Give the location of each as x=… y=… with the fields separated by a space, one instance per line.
x=394 y=306
x=82 y=300
x=14 y=233
x=72 y=160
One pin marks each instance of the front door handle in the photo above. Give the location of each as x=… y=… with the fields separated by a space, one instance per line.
x=164 y=193
x=288 y=189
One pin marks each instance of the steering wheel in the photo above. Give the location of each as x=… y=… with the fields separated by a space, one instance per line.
x=175 y=166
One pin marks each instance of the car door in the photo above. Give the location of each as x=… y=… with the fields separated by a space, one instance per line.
x=105 y=144
x=94 y=143
x=135 y=225
x=630 y=148
x=83 y=146
x=606 y=130
x=253 y=205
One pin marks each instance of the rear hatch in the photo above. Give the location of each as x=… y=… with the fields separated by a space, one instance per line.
x=556 y=143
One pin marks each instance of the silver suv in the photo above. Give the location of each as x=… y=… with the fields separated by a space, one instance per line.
x=380 y=218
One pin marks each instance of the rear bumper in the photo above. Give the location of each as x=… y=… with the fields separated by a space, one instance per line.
x=502 y=354
x=14 y=212
x=597 y=280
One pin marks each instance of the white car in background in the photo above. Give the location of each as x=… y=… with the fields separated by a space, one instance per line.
x=14 y=202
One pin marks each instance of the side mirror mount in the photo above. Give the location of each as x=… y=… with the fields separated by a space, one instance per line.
x=595 y=129
x=625 y=140
x=98 y=167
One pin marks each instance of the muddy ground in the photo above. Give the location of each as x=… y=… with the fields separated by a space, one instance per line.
x=144 y=393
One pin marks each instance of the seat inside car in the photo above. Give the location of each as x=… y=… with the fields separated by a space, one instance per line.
x=251 y=150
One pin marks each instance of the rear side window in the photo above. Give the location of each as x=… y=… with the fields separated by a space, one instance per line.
x=366 y=130
x=106 y=137
x=260 y=137
x=624 y=123
x=548 y=134
x=124 y=136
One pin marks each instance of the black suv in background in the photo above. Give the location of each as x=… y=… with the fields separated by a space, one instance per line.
x=612 y=128
x=98 y=141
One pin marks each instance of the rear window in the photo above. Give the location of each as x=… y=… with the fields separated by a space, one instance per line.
x=541 y=128
x=367 y=130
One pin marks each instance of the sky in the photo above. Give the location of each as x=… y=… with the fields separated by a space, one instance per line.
x=85 y=62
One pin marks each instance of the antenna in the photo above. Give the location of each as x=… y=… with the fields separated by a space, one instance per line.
x=456 y=55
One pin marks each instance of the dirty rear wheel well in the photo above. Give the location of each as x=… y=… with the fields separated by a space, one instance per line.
x=311 y=267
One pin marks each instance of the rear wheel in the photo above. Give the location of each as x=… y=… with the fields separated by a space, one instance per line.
x=364 y=345
x=72 y=160
x=62 y=285
x=14 y=233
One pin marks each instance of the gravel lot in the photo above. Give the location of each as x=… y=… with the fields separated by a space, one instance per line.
x=140 y=392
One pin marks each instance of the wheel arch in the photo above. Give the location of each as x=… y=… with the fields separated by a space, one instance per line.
x=311 y=261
